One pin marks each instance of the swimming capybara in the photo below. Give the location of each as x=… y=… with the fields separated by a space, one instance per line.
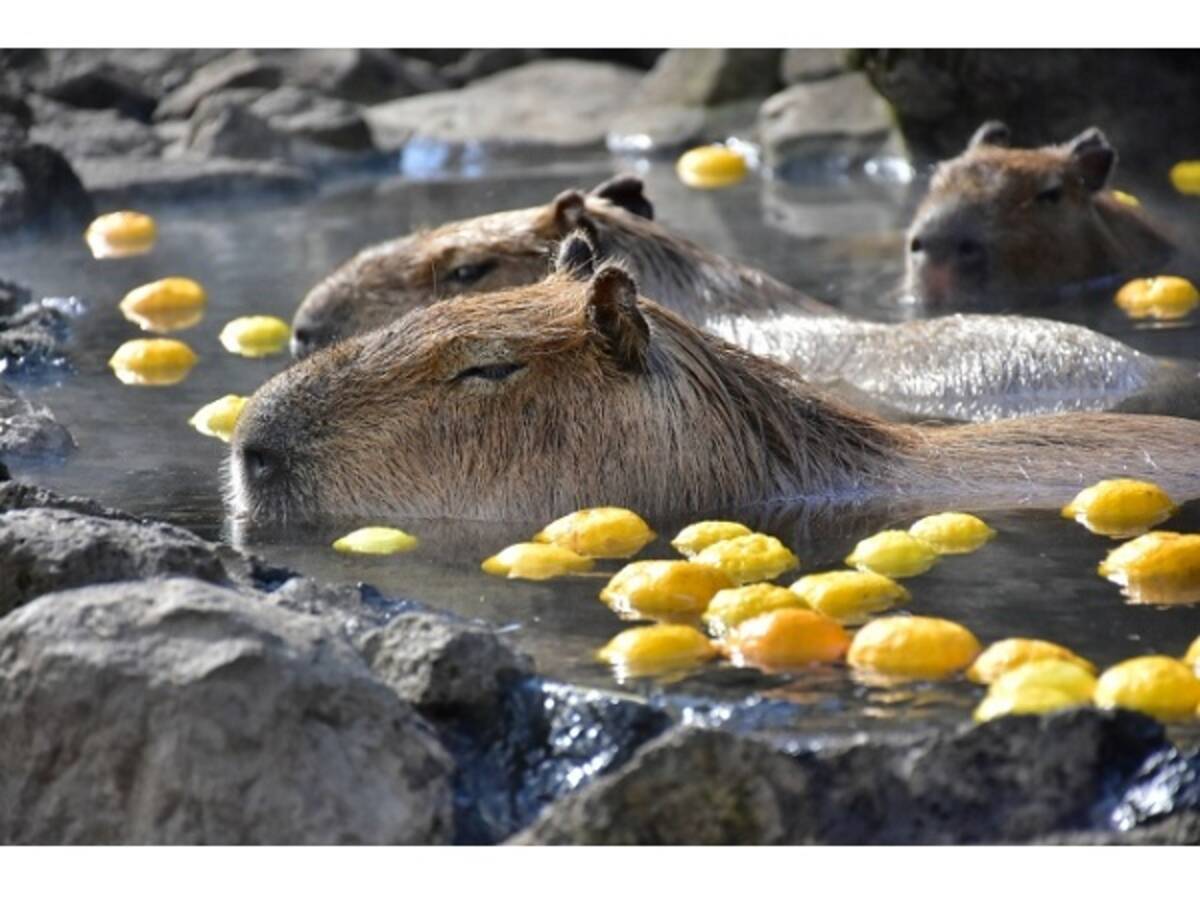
x=515 y=247
x=1003 y=227
x=574 y=392
x=973 y=368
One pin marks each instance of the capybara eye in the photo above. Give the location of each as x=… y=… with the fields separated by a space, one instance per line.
x=916 y=246
x=470 y=272
x=1049 y=196
x=969 y=251
x=493 y=372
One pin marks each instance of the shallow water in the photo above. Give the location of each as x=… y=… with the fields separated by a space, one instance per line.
x=838 y=240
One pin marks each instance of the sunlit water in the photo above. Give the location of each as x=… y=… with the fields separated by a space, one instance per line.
x=838 y=241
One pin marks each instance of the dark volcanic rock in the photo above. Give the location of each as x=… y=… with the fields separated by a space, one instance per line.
x=176 y=712
x=220 y=128
x=302 y=114
x=1045 y=96
x=707 y=77
x=31 y=337
x=1013 y=779
x=38 y=187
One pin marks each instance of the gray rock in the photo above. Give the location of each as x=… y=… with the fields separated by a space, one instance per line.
x=302 y=114
x=13 y=296
x=687 y=787
x=1180 y=830
x=238 y=69
x=479 y=63
x=175 y=712
x=360 y=75
x=43 y=550
x=840 y=119
x=437 y=662
x=22 y=495
x=119 y=182
x=92 y=83
x=560 y=105
x=707 y=77
x=29 y=431
x=1011 y=780
x=81 y=133
x=221 y=128
x=31 y=337
x=812 y=64
x=669 y=129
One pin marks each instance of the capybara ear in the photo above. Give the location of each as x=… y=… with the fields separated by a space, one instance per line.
x=1093 y=157
x=576 y=256
x=627 y=192
x=612 y=311
x=564 y=214
x=992 y=133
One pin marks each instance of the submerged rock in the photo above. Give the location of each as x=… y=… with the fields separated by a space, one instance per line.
x=176 y=712
x=559 y=105
x=31 y=336
x=29 y=431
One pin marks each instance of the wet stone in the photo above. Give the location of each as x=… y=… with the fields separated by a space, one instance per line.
x=176 y=712
x=29 y=431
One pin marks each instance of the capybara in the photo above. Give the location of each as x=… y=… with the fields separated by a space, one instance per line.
x=575 y=392
x=1002 y=227
x=974 y=368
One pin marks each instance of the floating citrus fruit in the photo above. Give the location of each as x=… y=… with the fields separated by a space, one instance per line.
x=730 y=607
x=122 y=233
x=1185 y=176
x=662 y=587
x=1120 y=507
x=219 y=418
x=152 y=361
x=1162 y=567
x=1192 y=657
x=536 y=562
x=1160 y=297
x=751 y=557
x=714 y=166
x=1124 y=198
x=1054 y=674
x=787 y=639
x=256 y=336
x=696 y=537
x=1011 y=653
x=655 y=649
x=896 y=554
x=376 y=541
x=952 y=532
x=169 y=304
x=1030 y=700
x=850 y=596
x=913 y=647
x=1158 y=686
x=604 y=532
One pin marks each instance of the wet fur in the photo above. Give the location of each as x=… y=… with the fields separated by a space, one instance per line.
x=658 y=416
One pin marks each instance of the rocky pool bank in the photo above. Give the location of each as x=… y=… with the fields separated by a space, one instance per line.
x=159 y=688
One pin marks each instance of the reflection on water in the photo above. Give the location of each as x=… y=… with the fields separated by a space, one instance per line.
x=839 y=242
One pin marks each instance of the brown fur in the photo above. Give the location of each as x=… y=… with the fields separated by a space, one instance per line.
x=1002 y=226
x=382 y=283
x=617 y=400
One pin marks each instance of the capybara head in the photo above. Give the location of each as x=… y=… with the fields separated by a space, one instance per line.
x=1000 y=226
x=530 y=402
x=487 y=253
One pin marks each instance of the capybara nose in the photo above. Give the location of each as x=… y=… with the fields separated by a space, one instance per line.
x=259 y=464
